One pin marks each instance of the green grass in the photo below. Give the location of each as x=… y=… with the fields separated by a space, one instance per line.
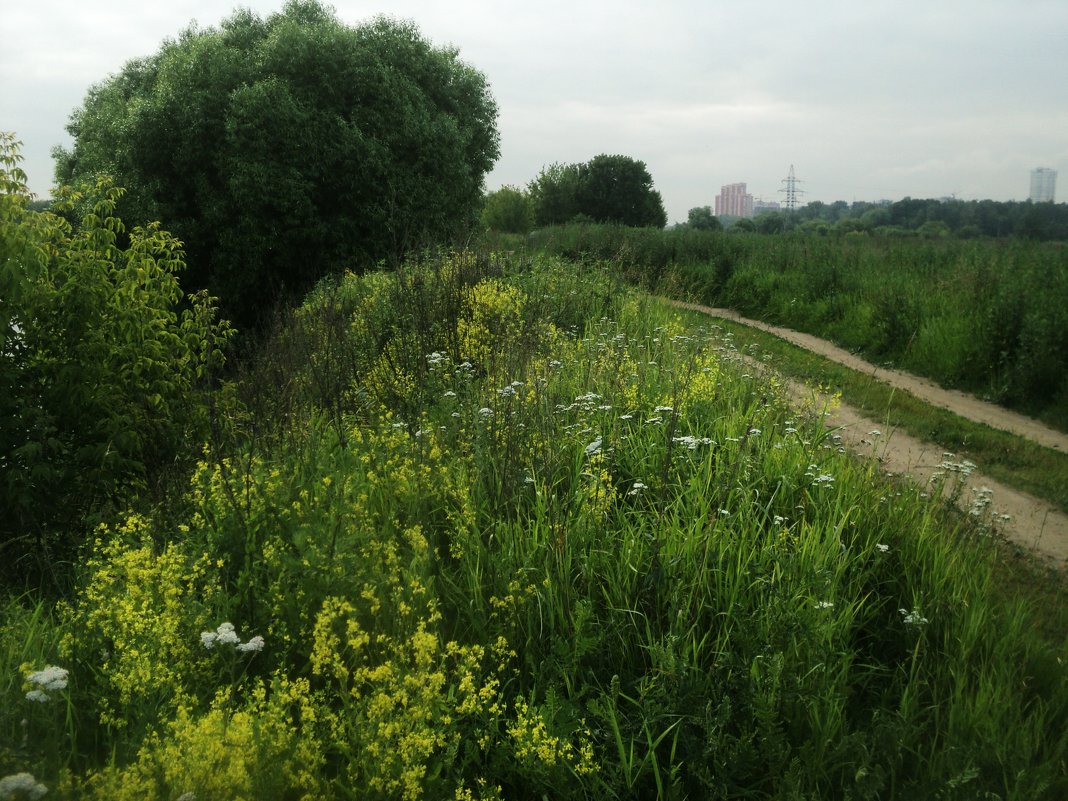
x=1014 y=460
x=510 y=530
x=988 y=317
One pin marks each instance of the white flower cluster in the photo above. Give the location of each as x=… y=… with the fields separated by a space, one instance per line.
x=964 y=467
x=510 y=390
x=21 y=786
x=825 y=480
x=913 y=618
x=51 y=679
x=692 y=442
x=226 y=635
x=584 y=403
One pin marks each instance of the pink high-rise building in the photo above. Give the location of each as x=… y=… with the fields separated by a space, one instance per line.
x=733 y=201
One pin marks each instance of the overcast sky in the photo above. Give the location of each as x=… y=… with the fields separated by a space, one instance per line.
x=868 y=99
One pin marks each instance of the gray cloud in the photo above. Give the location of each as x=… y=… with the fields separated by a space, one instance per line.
x=867 y=100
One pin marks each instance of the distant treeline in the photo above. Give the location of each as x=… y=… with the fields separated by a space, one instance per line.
x=920 y=217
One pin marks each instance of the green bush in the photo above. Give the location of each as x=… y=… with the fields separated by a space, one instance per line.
x=102 y=380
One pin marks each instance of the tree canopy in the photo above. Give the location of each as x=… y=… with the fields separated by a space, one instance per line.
x=606 y=189
x=284 y=148
x=700 y=218
x=508 y=210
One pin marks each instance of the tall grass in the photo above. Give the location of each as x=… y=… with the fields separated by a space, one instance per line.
x=987 y=316
x=511 y=531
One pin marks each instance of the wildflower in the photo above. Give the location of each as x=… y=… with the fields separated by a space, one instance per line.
x=434 y=358
x=913 y=618
x=21 y=785
x=636 y=487
x=485 y=411
x=779 y=520
x=692 y=442
x=40 y=696
x=882 y=548
x=724 y=513
x=594 y=447
x=51 y=678
x=450 y=394
x=254 y=645
x=754 y=432
x=626 y=417
x=825 y=605
x=226 y=635
x=659 y=409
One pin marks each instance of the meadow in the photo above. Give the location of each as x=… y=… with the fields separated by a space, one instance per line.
x=986 y=316
x=495 y=527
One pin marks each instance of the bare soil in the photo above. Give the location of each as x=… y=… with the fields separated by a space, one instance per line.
x=1022 y=519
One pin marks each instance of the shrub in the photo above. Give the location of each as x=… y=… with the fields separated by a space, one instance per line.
x=102 y=380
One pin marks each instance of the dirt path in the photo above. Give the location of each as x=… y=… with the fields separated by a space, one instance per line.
x=1031 y=523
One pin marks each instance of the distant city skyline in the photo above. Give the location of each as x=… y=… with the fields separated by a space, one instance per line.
x=743 y=203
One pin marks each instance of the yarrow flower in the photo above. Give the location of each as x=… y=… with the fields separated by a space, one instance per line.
x=255 y=644
x=51 y=678
x=41 y=682
x=21 y=785
x=226 y=635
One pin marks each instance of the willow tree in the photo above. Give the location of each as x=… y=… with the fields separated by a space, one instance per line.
x=284 y=148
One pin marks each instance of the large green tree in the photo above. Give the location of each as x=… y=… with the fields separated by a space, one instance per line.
x=620 y=189
x=700 y=218
x=606 y=189
x=555 y=194
x=280 y=149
